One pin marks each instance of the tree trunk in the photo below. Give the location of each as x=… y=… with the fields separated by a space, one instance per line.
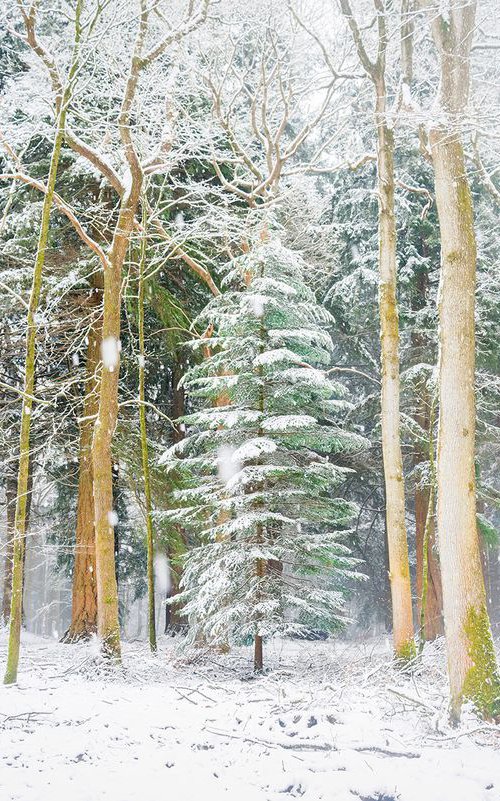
x=173 y=614
x=84 y=595
x=102 y=463
x=144 y=449
x=428 y=583
x=429 y=592
x=258 y=657
x=471 y=657
x=433 y=604
x=107 y=590
x=404 y=646
x=472 y=665
x=178 y=400
x=10 y=501
x=29 y=377
x=108 y=626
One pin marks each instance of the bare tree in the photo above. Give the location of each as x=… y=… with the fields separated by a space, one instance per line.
x=145 y=52
x=472 y=663
x=30 y=357
x=404 y=646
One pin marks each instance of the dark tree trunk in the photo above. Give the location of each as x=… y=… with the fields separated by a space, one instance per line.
x=84 y=596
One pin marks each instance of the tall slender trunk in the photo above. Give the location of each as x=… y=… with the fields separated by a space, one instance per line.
x=428 y=580
x=431 y=606
x=178 y=400
x=144 y=450
x=29 y=376
x=107 y=590
x=472 y=667
x=102 y=463
x=471 y=656
x=429 y=603
x=84 y=595
x=404 y=646
x=428 y=576
x=10 y=502
x=173 y=615
x=261 y=565
x=397 y=544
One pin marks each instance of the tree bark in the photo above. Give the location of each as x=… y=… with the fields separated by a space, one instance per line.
x=104 y=428
x=29 y=376
x=390 y=412
x=433 y=619
x=428 y=582
x=144 y=450
x=173 y=614
x=84 y=595
x=472 y=665
x=10 y=502
x=467 y=627
x=402 y=616
x=107 y=589
x=429 y=592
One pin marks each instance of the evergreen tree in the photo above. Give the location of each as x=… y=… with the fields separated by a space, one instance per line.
x=262 y=466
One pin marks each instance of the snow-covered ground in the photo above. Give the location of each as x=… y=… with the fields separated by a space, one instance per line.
x=332 y=721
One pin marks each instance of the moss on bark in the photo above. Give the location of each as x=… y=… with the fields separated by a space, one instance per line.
x=406 y=653
x=482 y=682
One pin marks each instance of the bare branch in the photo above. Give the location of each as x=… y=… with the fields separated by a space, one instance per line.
x=64 y=209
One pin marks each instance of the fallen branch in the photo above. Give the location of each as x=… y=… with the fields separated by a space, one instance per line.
x=388 y=752
x=412 y=700
x=297 y=746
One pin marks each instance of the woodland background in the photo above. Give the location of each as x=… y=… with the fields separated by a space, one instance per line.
x=190 y=130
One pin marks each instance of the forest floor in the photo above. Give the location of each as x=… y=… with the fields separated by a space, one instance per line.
x=331 y=721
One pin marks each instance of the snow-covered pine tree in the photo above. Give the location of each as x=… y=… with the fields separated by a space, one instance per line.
x=261 y=469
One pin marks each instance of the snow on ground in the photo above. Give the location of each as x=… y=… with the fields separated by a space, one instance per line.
x=332 y=721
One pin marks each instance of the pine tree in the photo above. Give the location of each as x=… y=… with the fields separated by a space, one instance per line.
x=270 y=557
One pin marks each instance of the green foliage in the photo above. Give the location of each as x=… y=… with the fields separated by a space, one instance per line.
x=490 y=534
x=261 y=460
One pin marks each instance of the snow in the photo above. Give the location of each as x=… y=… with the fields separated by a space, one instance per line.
x=227 y=464
x=257 y=304
x=332 y=721
x=254 y=448
x=110 y=351
x=161 y=573
x=275 y=356
x=285 y=422
x=112 y=518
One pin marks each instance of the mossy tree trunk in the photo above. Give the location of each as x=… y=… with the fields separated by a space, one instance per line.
x=472 y=665
x=10 y=502
x=471 y=660
x=29 y=374
x=399 y=570
x=108 y=626
x=390 y=391
x=84 y=594
x=104 y=428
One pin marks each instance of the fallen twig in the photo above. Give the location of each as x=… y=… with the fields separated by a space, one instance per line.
x=387 y=752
